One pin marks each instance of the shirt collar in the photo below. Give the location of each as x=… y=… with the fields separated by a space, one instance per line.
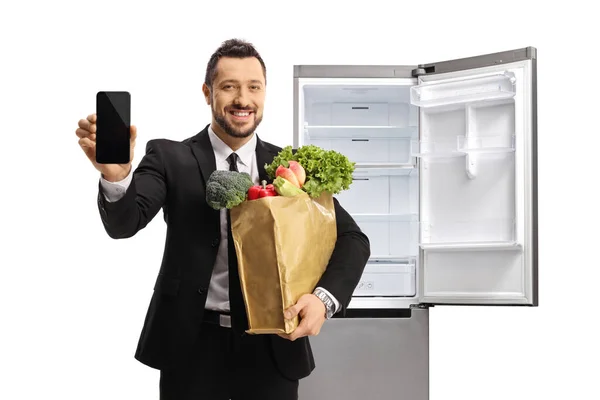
x=223 y=151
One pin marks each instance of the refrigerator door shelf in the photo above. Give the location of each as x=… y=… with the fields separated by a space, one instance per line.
x=468 y=232
x=472 y=276
x=480 y=88
x=462 y=146
x=431 y=149
x=486 y=144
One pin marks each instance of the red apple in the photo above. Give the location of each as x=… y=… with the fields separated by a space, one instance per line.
x=287 y=173
x=298 y=170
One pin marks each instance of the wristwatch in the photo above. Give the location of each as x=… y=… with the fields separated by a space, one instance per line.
x=329 y=305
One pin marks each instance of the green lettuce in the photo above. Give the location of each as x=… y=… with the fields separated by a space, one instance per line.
x=326 y=170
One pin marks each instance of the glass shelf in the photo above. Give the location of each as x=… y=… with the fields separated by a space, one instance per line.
x=374 y=149
x=383 y=169
x=491 y=87
x=435 y=149
x=359 y=132
x=385 y=217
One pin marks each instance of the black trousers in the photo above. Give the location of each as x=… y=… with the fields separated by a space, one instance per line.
x=227 y=366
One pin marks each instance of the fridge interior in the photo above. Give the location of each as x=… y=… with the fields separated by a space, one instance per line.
x=373 y=123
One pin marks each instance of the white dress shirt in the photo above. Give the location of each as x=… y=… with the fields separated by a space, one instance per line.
x=218 y=294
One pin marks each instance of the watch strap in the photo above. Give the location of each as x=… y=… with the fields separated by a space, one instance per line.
x=329 y=304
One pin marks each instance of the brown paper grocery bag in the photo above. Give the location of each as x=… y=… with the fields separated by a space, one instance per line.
x=283 y=245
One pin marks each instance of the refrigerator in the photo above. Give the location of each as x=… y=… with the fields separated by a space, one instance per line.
x=445 y=187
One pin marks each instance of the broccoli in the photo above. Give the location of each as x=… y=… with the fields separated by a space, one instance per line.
x=227 y=189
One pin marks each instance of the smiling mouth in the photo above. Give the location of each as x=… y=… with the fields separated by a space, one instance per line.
x=241 y=114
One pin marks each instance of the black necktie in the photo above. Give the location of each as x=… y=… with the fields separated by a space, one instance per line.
x=232 y=160
x=236 y=301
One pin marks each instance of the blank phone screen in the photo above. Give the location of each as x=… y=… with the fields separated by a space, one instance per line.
x=113 y=112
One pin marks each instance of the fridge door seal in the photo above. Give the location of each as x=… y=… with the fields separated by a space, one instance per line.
x=477 y=153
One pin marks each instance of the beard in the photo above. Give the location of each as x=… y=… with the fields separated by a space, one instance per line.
x=233 y=130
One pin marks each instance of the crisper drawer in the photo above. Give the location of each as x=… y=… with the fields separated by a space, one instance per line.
x=387 y=280
x=381 y=191
x=368 y=150
x=359 y=114
x=390 y=235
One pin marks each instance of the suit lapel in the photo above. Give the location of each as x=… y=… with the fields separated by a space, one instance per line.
x=263 y=156
x=203 y=151
x=205 y=156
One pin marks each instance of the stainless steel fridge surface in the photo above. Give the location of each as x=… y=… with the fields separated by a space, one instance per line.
x=371 y=358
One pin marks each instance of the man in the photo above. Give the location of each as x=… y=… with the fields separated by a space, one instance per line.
x=194 y=328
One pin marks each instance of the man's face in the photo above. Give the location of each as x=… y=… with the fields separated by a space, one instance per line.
x=238 y=95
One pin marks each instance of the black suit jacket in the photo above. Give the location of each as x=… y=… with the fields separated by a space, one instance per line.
x=172 y=176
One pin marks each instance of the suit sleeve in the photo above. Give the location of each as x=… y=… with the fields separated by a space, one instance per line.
x=143 y=198
x=348 y=260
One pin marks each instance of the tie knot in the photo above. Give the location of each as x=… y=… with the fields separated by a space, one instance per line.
x=233 y=158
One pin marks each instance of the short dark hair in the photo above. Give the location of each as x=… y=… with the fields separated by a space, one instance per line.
x=231 y=48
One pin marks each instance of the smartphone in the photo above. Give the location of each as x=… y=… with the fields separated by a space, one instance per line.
x=113 y=115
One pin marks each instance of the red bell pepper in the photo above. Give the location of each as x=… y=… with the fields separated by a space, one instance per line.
x=260 y=191
x=253 y=192
x=267 y=190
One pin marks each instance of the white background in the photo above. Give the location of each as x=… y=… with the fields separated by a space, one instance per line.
x=73 y=300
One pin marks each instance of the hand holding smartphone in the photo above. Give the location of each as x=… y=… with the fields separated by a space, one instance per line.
x=107 y=138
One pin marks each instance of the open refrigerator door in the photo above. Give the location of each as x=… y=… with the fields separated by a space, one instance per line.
x=478 y=188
